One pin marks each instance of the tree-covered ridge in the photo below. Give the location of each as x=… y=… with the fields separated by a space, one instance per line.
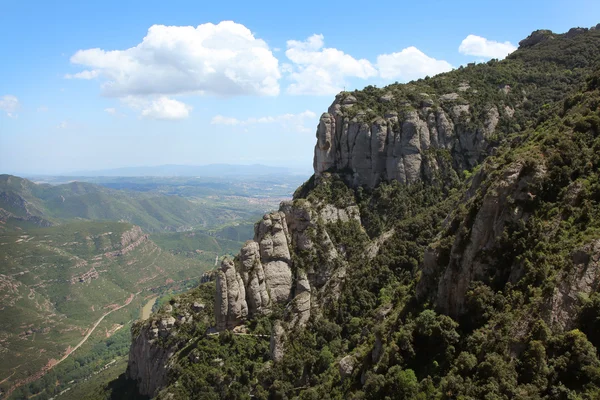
x=479 y=285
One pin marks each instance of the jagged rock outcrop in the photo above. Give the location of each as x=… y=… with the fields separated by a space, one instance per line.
x=346 y=366
x=231 y=308
x=582 y=279
x=501 y=203
x=277 y=343
x=396 y=146
x=129 y=240
x=264 y=273
x=148 y=362
x=537 y=37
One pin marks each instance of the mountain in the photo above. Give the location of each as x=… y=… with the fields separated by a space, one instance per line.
x=25 y=203
x=446 y=247
x=210 y=170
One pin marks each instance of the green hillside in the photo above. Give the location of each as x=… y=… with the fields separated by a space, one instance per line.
x=24 y=203
x=57 y=281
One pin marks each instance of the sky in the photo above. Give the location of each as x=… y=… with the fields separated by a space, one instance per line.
x=89 y=85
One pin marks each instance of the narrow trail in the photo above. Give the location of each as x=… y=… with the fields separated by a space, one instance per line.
x=52 y=364
x=127 y=302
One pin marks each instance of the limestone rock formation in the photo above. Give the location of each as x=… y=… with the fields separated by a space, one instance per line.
x=536 y=37
x=395 y=147
x=346 y=366
x=148 y=363
x=277 y=342
x=583 y=279
x=264 y=273
x=230 y=302
x=466 y=262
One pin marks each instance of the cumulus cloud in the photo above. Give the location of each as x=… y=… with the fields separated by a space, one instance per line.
x=322 y=71
x=409 y=64
x=478 y=46
x=295 y=122
x=10 y=105
x=87 y=74
x=224 y=59
x=159 y=108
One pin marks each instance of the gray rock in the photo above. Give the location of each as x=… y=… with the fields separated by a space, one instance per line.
x=463 y=87
x=346 y=366
x=231 y=308
x=449 y=97
x=386 y=98
x=349 y=100
x=583 y=279
x=575 y=32
x=486 y=229
x=536 y=37
x=148 y=362
x=427 y=103
x=277 y=343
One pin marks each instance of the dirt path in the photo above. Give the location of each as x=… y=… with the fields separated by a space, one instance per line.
x=127 y=302
x=53 y=363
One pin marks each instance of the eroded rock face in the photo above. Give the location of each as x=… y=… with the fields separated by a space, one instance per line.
x=394 y=147
x=466 y=262
x=264 y=275
x=277 y=344
x=148 y=363
x=582 y=279
x=231 y=308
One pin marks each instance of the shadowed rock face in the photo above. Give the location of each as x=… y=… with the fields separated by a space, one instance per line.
x=394 y=147
x=148 y=362
x=466 y=262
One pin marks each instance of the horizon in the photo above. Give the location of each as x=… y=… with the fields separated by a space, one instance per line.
x=81 y=100
x=292 y=170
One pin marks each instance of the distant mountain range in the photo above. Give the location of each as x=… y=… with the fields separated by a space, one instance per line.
x=195 y=170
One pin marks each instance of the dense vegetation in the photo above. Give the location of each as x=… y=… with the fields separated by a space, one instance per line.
x=509 y=341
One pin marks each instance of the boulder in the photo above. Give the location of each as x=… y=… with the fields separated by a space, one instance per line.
x=346 y=366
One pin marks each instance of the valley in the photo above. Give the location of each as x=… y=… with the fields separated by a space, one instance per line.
x=76 y=271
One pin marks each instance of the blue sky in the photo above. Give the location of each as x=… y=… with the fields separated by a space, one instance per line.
x=95 y=85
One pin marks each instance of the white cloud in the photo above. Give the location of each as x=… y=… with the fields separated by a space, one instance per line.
x=322 y=71
x=159 y=108
x=224 y=59
x=409 y=64
x=114 y=112
x=478 y=46
x=9 y=104
x=42 y=109
x=87 y=74
x=295 y=122
x=63 y=125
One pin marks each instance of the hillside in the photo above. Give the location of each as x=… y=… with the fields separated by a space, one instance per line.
x=446 y=248
x=27 y=204
x=58 y=281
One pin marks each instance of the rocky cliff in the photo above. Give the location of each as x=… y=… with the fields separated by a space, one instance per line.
x=401 y=144
x=446 y=246
x=264 y=274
